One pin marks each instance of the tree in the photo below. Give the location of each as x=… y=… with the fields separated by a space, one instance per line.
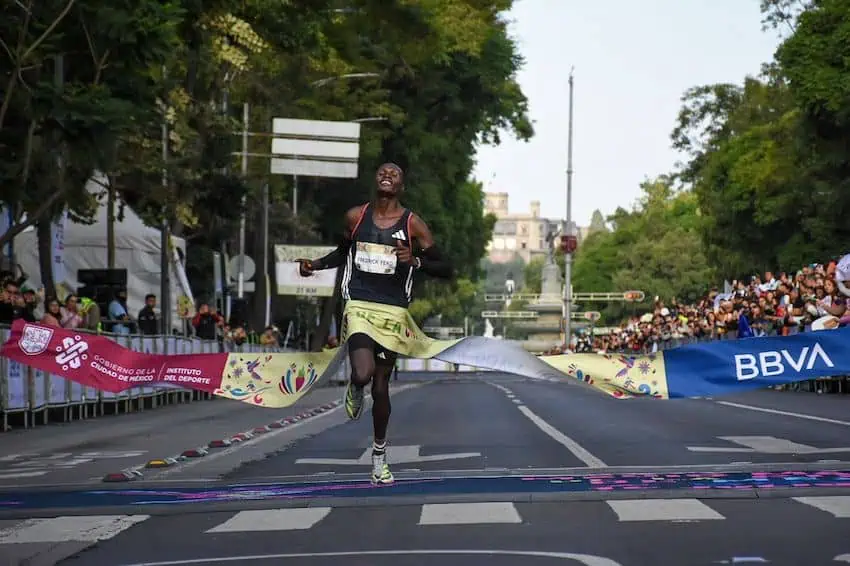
x=815 y=59
x=447 y=83
x=655 y=248
x=463 y=299
x=597 y=223
x=783 y=14
x=78 y=78
x=447 y=90
x=767 y=159
x=748 y=173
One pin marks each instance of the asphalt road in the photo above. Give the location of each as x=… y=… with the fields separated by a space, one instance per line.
x=519 y=424
x=85 y=451
x=779 y=531
x=471 y=425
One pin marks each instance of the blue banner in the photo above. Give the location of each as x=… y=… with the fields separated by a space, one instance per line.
x=729 y=366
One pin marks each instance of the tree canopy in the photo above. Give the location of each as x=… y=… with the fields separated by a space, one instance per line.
x=766 y=159
x=654 y=247
x=90 y=85
x=94 y=86
x=763 y=180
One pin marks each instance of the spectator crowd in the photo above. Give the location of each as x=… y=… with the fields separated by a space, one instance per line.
x=18 y=301
x=778 y=304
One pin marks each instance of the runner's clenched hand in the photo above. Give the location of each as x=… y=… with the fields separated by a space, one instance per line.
x=305 y=267
x=404 y=253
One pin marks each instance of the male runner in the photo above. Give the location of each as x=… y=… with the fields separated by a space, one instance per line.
x=378 y=251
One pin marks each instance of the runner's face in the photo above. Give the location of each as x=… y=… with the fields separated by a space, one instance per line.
x=389 y=180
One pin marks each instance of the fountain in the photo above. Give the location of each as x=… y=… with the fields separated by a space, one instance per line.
x=545 y=330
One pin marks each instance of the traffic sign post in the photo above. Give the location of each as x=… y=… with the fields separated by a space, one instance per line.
x=591 y=316
x=569 y=244
x=628 y=296
x=314 y=148
x=248 y=270
x=508 y=314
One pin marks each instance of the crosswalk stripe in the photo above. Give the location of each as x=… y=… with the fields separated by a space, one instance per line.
x=273 y=520
x=468 y=513
x=34 y=474
x=65 y=529
x=837 y=505
x=663 y=510
x=101 y=527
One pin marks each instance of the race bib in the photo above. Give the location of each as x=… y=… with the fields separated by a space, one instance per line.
x=375 y=258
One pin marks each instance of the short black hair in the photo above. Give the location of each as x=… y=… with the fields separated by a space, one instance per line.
x=149 y=296
x=395 y=166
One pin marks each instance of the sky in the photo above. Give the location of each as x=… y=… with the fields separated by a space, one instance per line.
x=632 y=62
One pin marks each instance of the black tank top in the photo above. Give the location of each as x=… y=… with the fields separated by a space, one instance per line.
x=372 y=270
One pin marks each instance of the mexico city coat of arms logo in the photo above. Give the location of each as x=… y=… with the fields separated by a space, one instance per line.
x=298 y=379
x=34 y=340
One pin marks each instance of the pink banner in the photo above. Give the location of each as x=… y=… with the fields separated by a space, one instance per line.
x=96 y=361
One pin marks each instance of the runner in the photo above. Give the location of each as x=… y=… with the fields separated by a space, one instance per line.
x=378 y=251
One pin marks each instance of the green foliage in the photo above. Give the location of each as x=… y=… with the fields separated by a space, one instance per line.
x=463 y=299
x=655 y=248
x=767 y=159
x=495 y=274
x=532 y=276
x=78 y=77
x=447 y=82
x=597 y=223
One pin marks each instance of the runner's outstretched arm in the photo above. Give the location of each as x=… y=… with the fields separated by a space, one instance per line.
x=336 y=257
x=429 y=259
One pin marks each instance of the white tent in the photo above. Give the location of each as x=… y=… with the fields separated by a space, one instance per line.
x=137 y=249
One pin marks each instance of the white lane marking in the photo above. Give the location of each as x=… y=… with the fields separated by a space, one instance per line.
x=574 y=447
x=64 y=529
x=395 y=454
x=586 y=559
x=836 y=505
x=663 y=510
x=784 y=413
x=765 y=445
x=273 y=520
x=13 y=457
x=842 y=558
x=469 y=513
x=502 y=388
x=22 y=475
x=262 y=438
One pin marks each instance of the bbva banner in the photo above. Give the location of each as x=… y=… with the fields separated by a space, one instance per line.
x=280 y=380
x=726 y=366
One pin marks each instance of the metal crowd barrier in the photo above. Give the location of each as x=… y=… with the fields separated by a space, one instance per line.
x=30 y=396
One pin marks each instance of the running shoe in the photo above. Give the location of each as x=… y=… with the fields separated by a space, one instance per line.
x=381 y=474
x=353 y=401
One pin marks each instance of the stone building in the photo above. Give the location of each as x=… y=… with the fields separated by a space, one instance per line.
x=519 y=234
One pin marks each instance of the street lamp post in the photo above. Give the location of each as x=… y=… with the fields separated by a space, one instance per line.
x=568 y=256
x=321 y=83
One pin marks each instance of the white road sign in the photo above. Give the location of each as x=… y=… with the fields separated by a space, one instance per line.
x=315 y=148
